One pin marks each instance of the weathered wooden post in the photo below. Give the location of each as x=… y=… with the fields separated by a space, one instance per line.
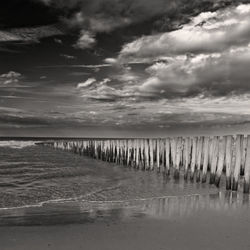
x=128 y=152
x=124 y=149
x=222 y=149
x=146 y=152
x=243 y=155
x=142 y=165
x=205 y=159
x=210 y=153
x=167 y=152
x=158 y=154
x=187 y=151
x=137 y=154
x=238 y=153
x=247 y=167
x=199 y=156
x=133 y=152
x=214 y=161
x=113 y=143
x=178 y=158
x=173 y=145
x=193 y=159
x=117 y=159
x=228 y=161
x=151 y=154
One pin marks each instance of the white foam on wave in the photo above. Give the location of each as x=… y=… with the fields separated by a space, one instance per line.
x=80 y=199
x=17 y=144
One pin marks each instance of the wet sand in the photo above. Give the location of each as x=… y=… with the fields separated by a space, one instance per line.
x=218 y=221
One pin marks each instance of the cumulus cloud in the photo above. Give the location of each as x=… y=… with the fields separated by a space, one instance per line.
x=105 y=90
x=110 y=60
x=214 y=74
x=104 y=81
x=9 y=78
x=87 y=83
x=208 y=55
x=209 y=32
x=86 y=40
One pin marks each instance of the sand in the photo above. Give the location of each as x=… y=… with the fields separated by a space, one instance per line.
x=217 y=222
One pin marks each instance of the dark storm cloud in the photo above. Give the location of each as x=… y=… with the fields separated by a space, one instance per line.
x=103 y=16
x=30 y=34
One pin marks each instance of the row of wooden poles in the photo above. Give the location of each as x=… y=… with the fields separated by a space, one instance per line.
x=195 y=156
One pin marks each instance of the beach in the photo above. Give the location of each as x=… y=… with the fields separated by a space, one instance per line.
x=53 y=199
x=222 y=225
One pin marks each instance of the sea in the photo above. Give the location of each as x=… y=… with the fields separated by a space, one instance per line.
x=40 y=185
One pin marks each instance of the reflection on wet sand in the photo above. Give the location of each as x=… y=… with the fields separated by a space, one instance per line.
x=184 y=206
x=168 y=208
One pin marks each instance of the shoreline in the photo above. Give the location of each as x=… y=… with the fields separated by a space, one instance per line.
x=174 y=224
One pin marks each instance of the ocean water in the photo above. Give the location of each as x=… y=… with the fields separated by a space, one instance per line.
x=41 y=185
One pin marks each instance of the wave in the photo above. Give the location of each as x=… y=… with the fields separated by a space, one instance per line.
x=17 y=144
x=82 y=199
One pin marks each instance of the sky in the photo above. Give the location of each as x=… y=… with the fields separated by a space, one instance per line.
x=115 y=68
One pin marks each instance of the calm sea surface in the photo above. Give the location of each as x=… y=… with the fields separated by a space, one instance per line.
x=42 y=185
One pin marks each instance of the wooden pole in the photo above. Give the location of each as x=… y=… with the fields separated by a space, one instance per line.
x=214 y=161
x=178 y=158
x=210 y=153
x=187 y=150
x=243 y=156
x=173 y=152
x=238 y=153
x=199 y=155
x=205 y=159
x=137 y=154
x=222 y=149
x=167 y=152
x=228 y=161
x=193 y=159
x=151 y=154
x=142 y=155
x=247 y=167
x=158 y=154
x=146 y=154
x=134 y=153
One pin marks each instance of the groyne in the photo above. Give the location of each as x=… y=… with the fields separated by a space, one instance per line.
x=201 y=159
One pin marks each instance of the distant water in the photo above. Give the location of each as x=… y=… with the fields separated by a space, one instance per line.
x=37 y=180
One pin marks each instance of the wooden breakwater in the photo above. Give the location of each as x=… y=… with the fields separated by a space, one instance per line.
x=201 y=159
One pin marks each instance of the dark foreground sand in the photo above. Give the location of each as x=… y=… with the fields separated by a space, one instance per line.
x=180 y=223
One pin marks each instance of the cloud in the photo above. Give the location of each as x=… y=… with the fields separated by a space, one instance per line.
x=87 y=83
x=209 y=55
x=110 y=60
x=104 y=81
x=214 y=74
x=86 y=40
x=104 y=90
x=104 y=16
x=209 y=32
x=9 y=78
x=59 y=41
x=86 y=66
x=30 y=34
x=68 y=56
